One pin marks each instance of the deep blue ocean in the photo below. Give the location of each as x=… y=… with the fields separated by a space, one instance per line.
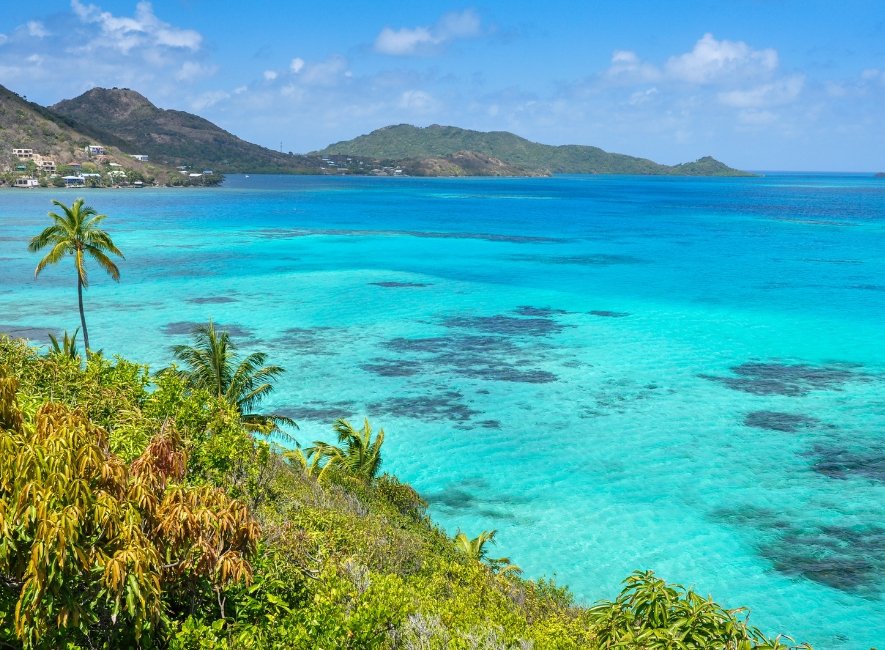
x=616 y=373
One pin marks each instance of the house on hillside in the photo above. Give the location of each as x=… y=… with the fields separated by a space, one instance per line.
x=26 y=182
x=23 y=154
x=48 y=166
x=140 y=157
x=94 y=150
x=74 y=181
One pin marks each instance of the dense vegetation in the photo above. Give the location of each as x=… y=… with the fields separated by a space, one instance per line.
x=140 y=510
x=413 y=143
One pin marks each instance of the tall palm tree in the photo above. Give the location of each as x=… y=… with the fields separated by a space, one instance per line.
x=359 y=456
x=76 y=232
x=212 y=364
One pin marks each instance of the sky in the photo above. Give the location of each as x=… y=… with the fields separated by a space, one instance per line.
x=759 y=84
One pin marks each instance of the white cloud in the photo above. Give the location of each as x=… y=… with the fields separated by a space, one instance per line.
x=713 y=60
x=208 y=99
x=418 y=101
x=36 y=29
x=422 y=40
x=239 y=90
x=642 y=96
x=402 y=41
x=191 y=70
x=627 y=65
x=297 y=65
x=143 y=29
x=270 y=75
x=775 y=93
x=3 y=38
x=325 y=73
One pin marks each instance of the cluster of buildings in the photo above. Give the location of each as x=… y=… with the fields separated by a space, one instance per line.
x=185 y=170
x=45 y=165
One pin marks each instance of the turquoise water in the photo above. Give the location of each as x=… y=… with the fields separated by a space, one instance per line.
x=685 y=375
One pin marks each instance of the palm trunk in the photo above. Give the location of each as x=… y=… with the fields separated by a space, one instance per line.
x=82 y=315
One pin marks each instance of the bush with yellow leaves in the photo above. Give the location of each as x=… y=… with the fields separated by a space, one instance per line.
x=89 y=545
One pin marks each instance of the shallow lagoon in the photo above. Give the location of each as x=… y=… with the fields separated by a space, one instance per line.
x=686 y=375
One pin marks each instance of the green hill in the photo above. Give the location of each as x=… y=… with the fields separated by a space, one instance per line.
x=172 y=137
x=406 y=142
x=59 y=139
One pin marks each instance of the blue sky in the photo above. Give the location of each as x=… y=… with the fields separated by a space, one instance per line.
x=760 y=84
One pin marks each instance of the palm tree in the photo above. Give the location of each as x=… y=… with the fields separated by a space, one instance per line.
x=476 y=549
x=212 y=364
x=76 y=233
x=359 y=456
x=309 y=462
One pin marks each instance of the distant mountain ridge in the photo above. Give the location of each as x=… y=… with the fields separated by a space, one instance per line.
x=128 y=122
x=173 y=137
x=407 y=142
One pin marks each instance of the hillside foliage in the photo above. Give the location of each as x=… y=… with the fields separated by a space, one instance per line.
x=405 y=141
x=138 y=510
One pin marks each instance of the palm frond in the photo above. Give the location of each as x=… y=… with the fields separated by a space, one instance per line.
x=211 y=363
x=58 y=251
x=104 y=262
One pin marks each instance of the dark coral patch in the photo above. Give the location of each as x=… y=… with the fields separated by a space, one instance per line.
x=187 y=327
x=400 y=285
x=868 y=287
x=447 y=405
x=604 y=313
x=319 y=411
x=791 y=380
x=490 y=358
x=474 y=495
x=601 y=259
x=433 y=345
x=30 y=332
x=777 y=421
x=315 y=341
x=506 y=325
x=850 y=559
x=391 y=368
x=211 y=300
x=842 y=463
x=539 y=312
x=502 y=372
